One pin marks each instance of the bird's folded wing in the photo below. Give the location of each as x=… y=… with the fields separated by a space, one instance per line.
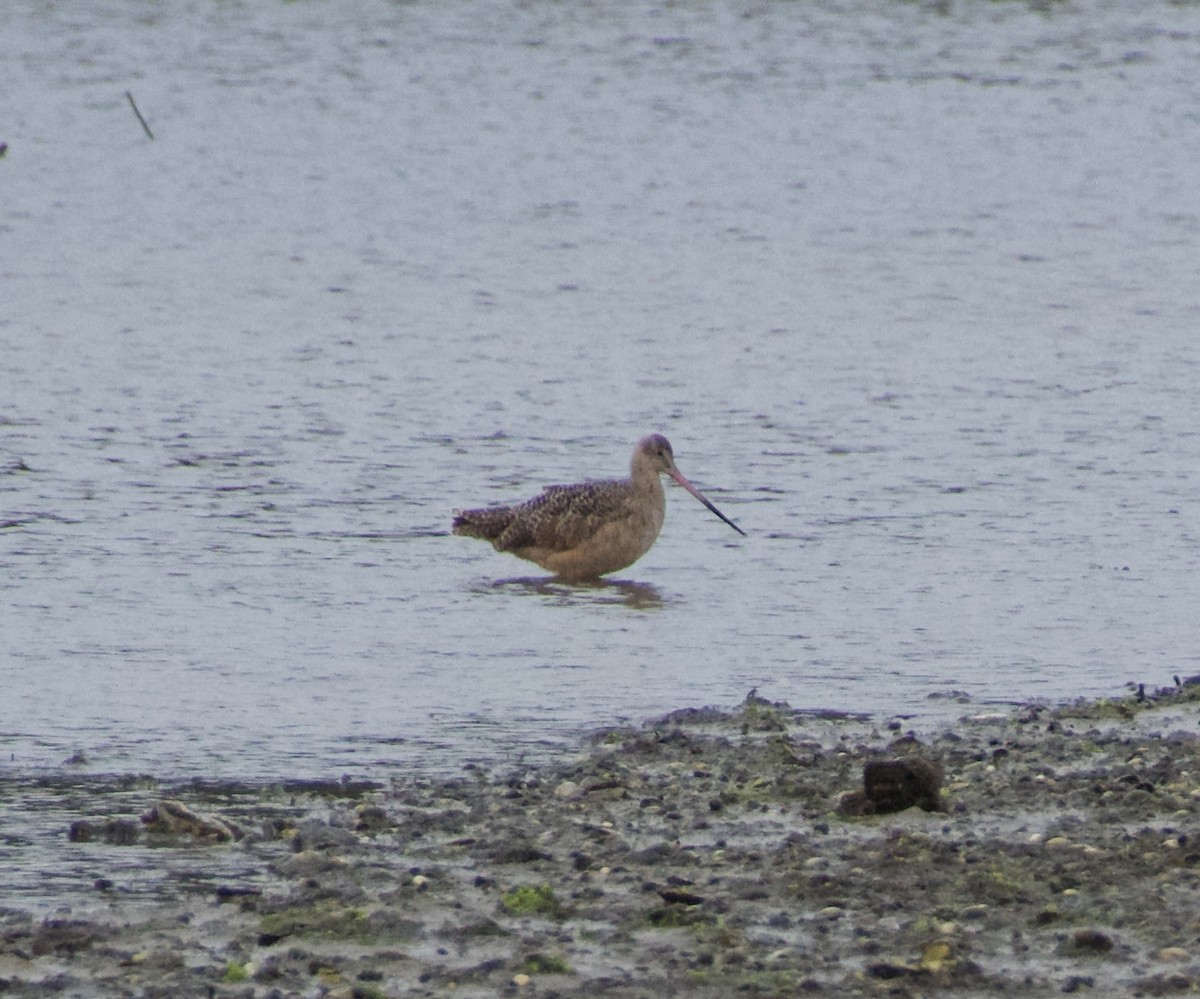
x=565 y=516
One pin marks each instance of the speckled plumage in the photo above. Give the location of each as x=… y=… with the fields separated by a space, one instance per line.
x=587 y=530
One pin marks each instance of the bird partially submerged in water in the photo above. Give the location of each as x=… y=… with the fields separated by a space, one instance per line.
x=584 y=531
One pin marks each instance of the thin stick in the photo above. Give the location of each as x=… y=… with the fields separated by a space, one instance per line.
x=145 y=127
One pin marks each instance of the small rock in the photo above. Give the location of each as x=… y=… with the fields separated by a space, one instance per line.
x=888 y=970
x=226 y=893
x=1090 y=941
x=521 y=980
x=81 y=832
x=568 y=790
x=1174 y=954
x=679 y=897
x=894 y=785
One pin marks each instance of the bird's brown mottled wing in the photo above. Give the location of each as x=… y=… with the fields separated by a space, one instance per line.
x=565 y=516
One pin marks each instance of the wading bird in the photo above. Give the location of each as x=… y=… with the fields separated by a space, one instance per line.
x=588 y=530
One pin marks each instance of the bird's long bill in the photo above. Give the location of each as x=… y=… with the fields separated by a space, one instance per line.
x=678 y=477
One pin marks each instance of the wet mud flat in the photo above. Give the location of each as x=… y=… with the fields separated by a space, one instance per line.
x=1047 y=851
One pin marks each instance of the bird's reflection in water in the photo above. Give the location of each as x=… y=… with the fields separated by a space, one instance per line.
x=631 y=593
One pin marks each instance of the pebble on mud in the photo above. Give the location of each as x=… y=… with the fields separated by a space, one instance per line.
x=1174 y=954
x=568 y=790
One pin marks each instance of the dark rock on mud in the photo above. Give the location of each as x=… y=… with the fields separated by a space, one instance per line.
x=894 y=785
x=1033 y=853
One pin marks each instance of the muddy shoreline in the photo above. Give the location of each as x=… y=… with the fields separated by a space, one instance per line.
x=708 y=853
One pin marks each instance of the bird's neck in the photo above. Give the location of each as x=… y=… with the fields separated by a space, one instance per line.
x=646 y=480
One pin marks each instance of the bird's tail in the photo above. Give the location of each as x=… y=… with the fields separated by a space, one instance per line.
x=488 y=524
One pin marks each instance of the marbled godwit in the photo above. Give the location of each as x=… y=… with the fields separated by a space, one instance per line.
x=588 y=530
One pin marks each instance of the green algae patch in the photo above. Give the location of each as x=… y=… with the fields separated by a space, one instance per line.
x=235 y=973
x=1106 y=709
x=481 y=928
x=333 y=921
x=758 y=715
x=532 y=900
x=324 y=919
x=545 y=964
x=669 y=917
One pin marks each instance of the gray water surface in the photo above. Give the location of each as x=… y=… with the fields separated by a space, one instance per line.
x=913 y=294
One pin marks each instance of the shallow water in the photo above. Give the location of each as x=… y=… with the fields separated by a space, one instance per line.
x=912 y=293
